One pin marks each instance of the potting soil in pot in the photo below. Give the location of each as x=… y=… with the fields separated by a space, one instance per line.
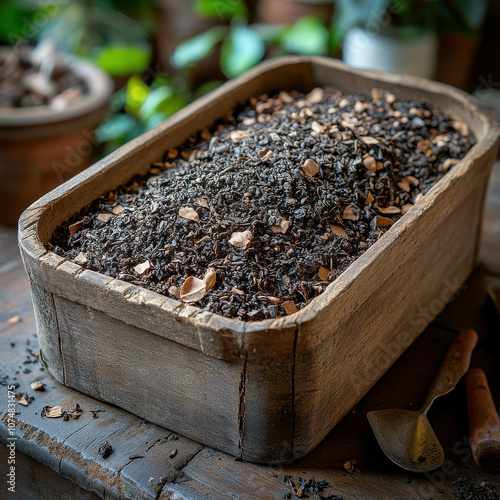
x=25 y=82
x=254 y=218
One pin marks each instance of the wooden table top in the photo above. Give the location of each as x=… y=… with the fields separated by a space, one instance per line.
x=153 y=463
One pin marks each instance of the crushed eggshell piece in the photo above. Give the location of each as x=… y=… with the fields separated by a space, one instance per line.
x=370 y=163
x=53 y=411
x=310 y=168
x=282 y=227
x=193 y=289
x=349 y=214
x=241 y=239
x=289 y=307
x=404 y=185
x=338 y=231
x=143 y=267
x=81 y=258
x=104 y=217
x=210 y=278
x=380 y=221
x=189 y=213
x=323 y=273
x=389 y=210
x=117 y=210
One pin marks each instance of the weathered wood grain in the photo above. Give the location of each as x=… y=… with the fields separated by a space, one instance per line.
x=70 y=447
x=141 y=373
x=290 y=379
x=37 y=482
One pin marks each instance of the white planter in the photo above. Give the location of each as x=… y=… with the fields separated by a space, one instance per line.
x=411 y=54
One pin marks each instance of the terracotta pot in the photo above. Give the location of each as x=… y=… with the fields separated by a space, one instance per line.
x=42 y=147
x=290 y=11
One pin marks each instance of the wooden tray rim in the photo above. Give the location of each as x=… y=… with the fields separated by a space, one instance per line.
x=32 y=247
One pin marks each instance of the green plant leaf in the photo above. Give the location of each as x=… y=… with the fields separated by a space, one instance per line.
x=155 y=119
x=307 y=36
x=161 y=99
x=16 y=21
x=161 y=80
x=221 y=9
x=123 y=60
x=118 y=100
x=153 y=102
x=176 y=102
x=207 y=87
x=241 y=50
x=359 y=13
x=119 y=129
x=137 y=92
x=195 y=49
x=473 y=11
x=270 y=33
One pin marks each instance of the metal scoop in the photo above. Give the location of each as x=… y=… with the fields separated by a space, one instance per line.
x=406 y=437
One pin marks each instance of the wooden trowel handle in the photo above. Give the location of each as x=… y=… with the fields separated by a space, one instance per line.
x=484 y=423
x=453 y=367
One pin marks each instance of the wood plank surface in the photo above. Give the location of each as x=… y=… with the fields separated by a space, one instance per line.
x=38 y=482
x=70 y=448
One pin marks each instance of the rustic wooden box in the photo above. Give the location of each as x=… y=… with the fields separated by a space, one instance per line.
x=266 y=391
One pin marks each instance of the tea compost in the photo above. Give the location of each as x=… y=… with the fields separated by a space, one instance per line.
x=256 y=217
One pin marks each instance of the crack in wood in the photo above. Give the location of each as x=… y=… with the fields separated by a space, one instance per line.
x=200 y=339
x=294 y=361
x=61 y=262
x=59 y=339
x=241 y=409
x=30 y=223
x=62 y=443
x=159 y=440
x=119 y=471
x=479 y=228
x=181 y=477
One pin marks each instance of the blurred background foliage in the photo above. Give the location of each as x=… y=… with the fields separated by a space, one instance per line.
x=163 y=54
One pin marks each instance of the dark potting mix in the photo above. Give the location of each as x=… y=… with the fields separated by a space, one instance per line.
x=255 y=217
x=29 y=79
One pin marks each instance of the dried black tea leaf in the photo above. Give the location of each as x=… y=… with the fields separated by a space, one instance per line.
x=105 y=450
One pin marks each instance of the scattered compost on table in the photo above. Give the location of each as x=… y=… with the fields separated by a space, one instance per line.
x=255 y=217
